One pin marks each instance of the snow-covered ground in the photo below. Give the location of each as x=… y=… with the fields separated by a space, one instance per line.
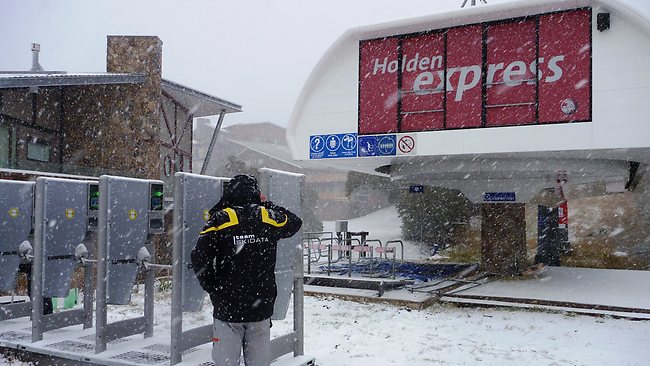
x=343 y=333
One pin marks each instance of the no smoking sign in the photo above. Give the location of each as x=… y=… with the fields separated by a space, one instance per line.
x=406 y=145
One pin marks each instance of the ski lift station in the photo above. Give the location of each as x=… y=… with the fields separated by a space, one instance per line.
x=502 y=102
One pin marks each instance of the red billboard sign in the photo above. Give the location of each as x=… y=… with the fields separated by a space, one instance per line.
x=526 y=71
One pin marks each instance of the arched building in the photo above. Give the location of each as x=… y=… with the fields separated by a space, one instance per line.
x=501 y=102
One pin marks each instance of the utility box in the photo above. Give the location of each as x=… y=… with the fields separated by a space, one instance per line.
x=341 y=226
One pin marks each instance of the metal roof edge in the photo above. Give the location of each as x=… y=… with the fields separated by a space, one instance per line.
x=243 y=144
x=30 y=79
x=195 y=93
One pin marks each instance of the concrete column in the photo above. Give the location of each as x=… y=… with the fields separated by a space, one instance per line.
x=503 y=249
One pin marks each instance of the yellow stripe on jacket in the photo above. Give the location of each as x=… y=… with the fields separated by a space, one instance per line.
x=266 y=219
x=232 y=221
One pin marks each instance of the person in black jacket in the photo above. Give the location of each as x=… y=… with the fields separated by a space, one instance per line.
x=234 y=261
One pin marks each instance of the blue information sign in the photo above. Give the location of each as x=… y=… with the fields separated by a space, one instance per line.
x=499 y=197
x=341 y=145
x=377 y=145
x=416 y=189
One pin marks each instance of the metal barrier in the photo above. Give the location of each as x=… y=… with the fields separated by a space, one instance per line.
x=286 y=190
x=130 y=211
x=16 y=211
x=307 y=242
x=194 y=196
x=401 y=243
x=316 y=236
x=126 y=213
x=344 y=248
x=363 y=247
x=61 y=224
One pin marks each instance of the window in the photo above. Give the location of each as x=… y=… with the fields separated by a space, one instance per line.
x=38 y=151
x=4 y=147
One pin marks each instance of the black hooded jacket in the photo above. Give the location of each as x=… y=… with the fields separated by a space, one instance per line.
x=234 y=258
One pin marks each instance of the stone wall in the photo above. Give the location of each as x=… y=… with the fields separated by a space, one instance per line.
x=115 y=128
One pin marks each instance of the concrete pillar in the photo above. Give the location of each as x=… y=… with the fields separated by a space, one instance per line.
x=503 y=249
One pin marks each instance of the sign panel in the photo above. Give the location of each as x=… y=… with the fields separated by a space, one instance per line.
x=524 y=71
x=61 y=208
x=511 y=85
x=126 y=223
x=16 y=202
x=342 y=145
x=194 y=196
x=563 y=215
x=380 y=145
x=499 y=196
x=284 y=189
x=406 y=144
x=416 y=189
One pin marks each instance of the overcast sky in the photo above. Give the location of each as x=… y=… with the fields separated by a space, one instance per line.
x=256 y=53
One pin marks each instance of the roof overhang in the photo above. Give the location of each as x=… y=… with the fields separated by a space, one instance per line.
x=9 y=80
x=197 y=103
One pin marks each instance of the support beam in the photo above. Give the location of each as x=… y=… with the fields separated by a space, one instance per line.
x=213 y=141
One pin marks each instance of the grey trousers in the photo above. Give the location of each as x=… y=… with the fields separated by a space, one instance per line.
x=228 y=339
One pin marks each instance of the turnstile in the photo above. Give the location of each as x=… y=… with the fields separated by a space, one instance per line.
x=194 y=196
x=130 y=211
x=16 y=210
x=61 y=224
x=126 y=212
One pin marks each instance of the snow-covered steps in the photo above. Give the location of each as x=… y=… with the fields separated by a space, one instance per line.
x=399 y=297
x=621 y=293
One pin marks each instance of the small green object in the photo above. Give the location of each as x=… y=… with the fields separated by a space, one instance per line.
x=71 y=300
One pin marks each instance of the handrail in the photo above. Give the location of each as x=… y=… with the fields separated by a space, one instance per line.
x=401 y=243
x=309 y=261
x=375 y=241
x=349 y=253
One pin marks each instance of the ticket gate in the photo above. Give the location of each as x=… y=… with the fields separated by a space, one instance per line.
x=130 y=212
x=16 y=210
x=286 y=189
x=125 y=213
x=194 y=196
x=62 y=210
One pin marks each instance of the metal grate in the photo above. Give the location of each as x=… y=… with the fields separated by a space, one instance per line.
x=142 y=357
x=166 y=349
x=73 y=346
x=88 y=338
x=209 y=363
x=160 y=348
x=58 y=331
x=119 y=340
x=91 y=338
x=12 y=336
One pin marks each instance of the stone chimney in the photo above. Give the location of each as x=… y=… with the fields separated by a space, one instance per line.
x=135 y=54
x=116 y=127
